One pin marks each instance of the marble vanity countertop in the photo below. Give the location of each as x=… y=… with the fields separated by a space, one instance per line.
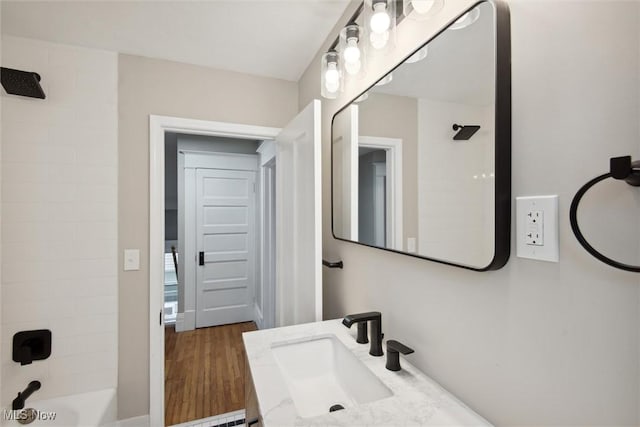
x=417 y=400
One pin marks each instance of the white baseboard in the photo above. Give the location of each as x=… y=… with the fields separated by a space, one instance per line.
x=141 y=421
x=257 y=316
x=186 y=321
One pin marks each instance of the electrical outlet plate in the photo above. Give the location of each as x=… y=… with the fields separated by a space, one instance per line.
x=537 y=228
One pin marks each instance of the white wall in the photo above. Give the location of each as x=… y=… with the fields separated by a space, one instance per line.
x=534 y=343
x=456 y=214
x=152 y=86
x=59 y=229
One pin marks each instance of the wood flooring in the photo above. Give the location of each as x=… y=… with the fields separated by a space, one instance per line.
x=204 y=372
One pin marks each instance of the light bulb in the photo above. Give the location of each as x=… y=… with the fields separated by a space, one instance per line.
x=380 y=20
x=332 y=77
x=379 y=41
x=353 y=68
x=422 y=6
x=352 y=52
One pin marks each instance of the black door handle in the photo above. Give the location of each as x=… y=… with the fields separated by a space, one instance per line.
x=201 y=258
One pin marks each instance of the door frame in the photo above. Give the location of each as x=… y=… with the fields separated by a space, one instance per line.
x=265 y=312
x=393 y=148
x=158 y=126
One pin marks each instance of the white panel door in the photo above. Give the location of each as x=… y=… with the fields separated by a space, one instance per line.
x=345 y=173
x=299 y=219
x=226 y=234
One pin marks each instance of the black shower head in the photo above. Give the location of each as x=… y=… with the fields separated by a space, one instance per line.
x=23 y=83
x=465 y=132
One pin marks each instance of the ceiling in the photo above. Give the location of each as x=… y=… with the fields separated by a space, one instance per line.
x=272 y=38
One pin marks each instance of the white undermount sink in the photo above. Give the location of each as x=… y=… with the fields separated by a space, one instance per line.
x=322 y=372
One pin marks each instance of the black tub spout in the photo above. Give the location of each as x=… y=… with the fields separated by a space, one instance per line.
x=18 y=402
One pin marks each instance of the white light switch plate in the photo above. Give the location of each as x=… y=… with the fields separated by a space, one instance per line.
x=537 y=228
x=131 y=259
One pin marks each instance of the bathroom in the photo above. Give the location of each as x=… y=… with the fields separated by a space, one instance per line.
x=530 y=343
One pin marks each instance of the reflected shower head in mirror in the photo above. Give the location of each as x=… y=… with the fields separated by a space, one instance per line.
x=465 y=132
x=21 y=83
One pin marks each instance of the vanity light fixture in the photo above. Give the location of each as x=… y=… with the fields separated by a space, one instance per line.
x=418 y=56
x=420 y=10
x=465 y=20
x=351 y=48
x=380 y=18
x=331 y=78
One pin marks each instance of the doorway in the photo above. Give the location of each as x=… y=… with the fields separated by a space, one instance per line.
x=212 y=211
x=297 y=297
x=379 y=176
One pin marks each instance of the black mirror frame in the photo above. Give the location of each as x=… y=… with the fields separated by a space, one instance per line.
x=502 y=225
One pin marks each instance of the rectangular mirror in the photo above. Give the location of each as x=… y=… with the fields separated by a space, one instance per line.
x=421 y=161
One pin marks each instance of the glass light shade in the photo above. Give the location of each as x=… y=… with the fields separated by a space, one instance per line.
x=352 y=50
x=380 y=20
x=379 y=17
x=353 y=68
x=420 y=10
x=465 y=20
x=330 y=75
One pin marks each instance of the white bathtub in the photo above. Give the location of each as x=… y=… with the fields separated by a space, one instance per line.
x=97 y=408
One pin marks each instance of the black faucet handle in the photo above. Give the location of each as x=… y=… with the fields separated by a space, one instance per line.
x=398 y=347
x=394 y=348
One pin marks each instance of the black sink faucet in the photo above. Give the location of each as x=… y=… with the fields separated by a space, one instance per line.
x=18 y=402
x=376 y=329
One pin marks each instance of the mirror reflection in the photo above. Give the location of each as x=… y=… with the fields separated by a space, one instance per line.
x=413 y=158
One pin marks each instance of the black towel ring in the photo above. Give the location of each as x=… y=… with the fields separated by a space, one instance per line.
x=621 y=168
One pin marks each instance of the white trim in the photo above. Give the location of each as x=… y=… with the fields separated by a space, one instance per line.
x=393 y=147
x=158 y=126
x=265 y=311
x=380 y=237
x=219 y=160
x=141 y=421
x=180 y=322
x=267 y=151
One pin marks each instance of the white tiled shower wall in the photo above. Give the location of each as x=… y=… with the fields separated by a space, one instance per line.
x=59 y=218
